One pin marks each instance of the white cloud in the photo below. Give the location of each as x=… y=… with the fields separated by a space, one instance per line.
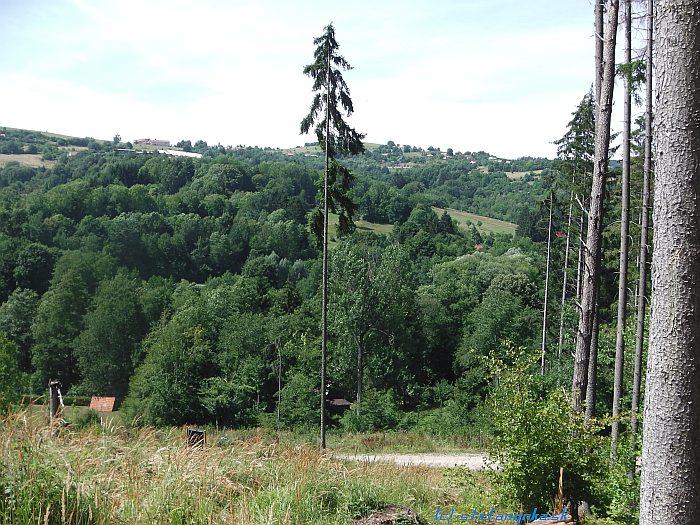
x=230 y=72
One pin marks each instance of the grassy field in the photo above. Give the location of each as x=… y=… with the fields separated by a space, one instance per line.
x=32 y=160
x=487 y=223
x=515 y=175
x=381 y=229
x=110 y=474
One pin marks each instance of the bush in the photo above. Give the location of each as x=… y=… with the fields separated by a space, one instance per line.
x=299 y=407
x=378 y=411
x=536 y=434
x=88 y=418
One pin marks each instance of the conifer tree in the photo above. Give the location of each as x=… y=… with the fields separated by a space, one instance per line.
x=336 y=137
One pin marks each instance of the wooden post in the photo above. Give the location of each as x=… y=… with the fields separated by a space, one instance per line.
x=54 y=404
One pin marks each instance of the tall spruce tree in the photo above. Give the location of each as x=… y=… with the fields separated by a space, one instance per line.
x=670 y=481
x=336 y=137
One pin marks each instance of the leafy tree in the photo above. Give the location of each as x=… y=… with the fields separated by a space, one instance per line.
x=16 y=318
x=106 y=350
x=10 y=377
x=335 y=137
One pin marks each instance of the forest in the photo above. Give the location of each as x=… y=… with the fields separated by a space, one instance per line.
x=188 y=288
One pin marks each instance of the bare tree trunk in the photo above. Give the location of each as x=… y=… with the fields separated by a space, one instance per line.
x=566 y=267
x=324 y=269
x=592 y=372
x=644 y=236
x=360 y=367
x=546 y=282
x=592 y=264
x=624 y=235
x=670 y=482
x=598 y=28
x=579 y=262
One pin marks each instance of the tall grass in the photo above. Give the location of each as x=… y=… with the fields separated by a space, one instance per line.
x=120 y=475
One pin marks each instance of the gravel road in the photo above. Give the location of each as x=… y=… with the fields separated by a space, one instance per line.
x=473 y=461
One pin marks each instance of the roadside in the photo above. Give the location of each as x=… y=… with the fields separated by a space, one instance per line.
x=472 y=461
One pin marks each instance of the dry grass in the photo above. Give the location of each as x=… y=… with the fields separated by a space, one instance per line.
x=515 y=175
x=26 y=159
x=114 y=474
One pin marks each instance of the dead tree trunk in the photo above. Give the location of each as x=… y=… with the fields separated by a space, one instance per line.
x=566 y=267
x=599 y=37
x=592 y=250
x=54 y=400
x=624 y=235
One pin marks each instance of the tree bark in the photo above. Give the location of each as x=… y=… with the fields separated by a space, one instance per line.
x=592 y=372
x=644 y=235
x=579 y=261
x=598 y=28
x=670 y=482
x=624 y=235
x=592 y=250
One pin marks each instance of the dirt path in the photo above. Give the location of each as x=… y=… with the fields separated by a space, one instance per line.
x=472 y=461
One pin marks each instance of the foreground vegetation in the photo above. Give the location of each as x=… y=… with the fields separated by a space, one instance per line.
x=110 y=474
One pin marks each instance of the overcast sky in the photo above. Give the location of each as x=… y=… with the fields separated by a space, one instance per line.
x=496 y=75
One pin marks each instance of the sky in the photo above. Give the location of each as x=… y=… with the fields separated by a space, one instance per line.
x=502 y=76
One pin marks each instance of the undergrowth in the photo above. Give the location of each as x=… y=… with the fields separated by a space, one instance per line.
x=111 y=474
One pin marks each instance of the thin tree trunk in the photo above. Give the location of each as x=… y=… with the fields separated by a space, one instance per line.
x=624 y=236
x=546 y=282
x=579 y=262
x=670 y=481
x=599 y=37
x=324 y=269
x=566 y=267
x=592 y=373
x=360 y=367
x=644 y=236
x=592 y=263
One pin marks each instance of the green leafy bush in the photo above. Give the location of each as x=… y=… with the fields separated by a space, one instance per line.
x=536 y=434
x=88 y=418
x=378 y=411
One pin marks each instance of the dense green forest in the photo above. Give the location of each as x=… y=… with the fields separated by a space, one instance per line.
x=189 y=288
x=183 y=285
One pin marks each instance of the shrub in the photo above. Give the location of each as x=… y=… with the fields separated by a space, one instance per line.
x=378 y=411
x=299 y=407
x=536 y=434
x=86 y=419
